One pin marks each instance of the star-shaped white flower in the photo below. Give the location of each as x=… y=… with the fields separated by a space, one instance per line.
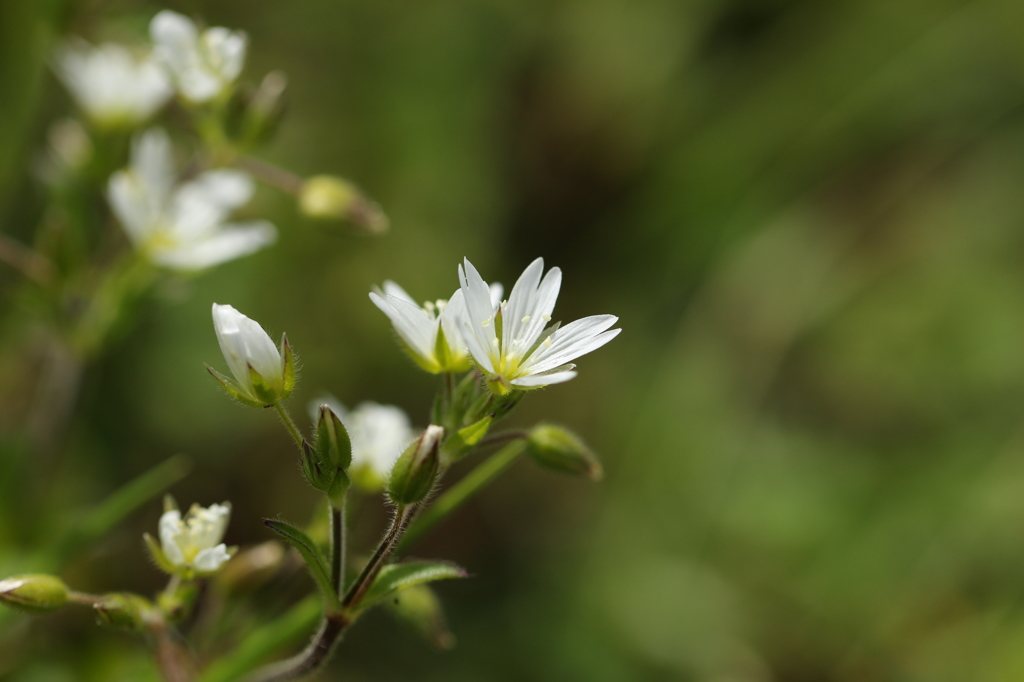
x=182 y=226
x=264 y=374
x=379 y=434
x=516 y=348
x=194 y=543
x=203 y=65
x=432 y=334
x=114 y=87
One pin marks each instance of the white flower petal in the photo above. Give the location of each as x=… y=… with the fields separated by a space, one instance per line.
x=231 y=241
x=480 y=338
x=570 y=342
x=520 y=304
x=411 y=323
x=224 y=51
x=227 y=188
x=538 y=380
x=211 y=559
x=392 y=289
x=176 y=40
x=170 y=528
x=198 y=84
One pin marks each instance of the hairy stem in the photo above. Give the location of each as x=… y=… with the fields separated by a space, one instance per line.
x=289 y=424
x=380 y=557
x=338 y=547
x=276 y=176
x=459 y=493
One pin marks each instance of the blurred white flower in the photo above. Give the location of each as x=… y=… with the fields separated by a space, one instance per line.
x=203 y=65
x=114 y=87
x=195 y=541
x=182 y=227
x=516 y=349
x=432 y=334
x=379 y=434
x=264 y=373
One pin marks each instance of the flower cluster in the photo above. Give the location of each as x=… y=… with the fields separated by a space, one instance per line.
x=117 y=87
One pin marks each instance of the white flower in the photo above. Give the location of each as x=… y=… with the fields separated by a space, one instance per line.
x=379 y=434
x=263 y=373
x=203 y=65
x=182 y=227
x=516 y=349
x=195 y=541
x=432 y=334
x=112 y=86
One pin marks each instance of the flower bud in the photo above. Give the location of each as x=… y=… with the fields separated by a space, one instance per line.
x=35 y=593
x=413 y=474
x=124 y=611
x=559 y=449
x=332 y=440
x=327 y=197
x=263 y=374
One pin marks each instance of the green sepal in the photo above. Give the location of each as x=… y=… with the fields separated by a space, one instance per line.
x=422 y=362
x=442 y=353
x=311 y=555
x=156 y=553
x=420 y=608
x=261 y=389
x=313 y=468
x=339 y=488
x=332 y=440
x=288 y=375
x=414 y=473
x=459 y=445
x=124 y=611
x=395 y=577
x=170 y=504
x=233 y=389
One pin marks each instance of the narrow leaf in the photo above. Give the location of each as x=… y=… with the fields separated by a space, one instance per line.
x=395 y=577
x=311 y=554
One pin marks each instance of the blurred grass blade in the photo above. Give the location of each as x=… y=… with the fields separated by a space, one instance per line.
x=293 y=627
x=116 y=507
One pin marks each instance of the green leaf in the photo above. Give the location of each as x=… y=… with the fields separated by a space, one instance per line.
x=311 y=555
x=395 y=577
x=459 y=445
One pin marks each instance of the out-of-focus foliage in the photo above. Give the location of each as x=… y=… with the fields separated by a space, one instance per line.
x=810 y=218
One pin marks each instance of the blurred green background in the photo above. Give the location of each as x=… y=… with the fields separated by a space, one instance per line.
x=809 y=217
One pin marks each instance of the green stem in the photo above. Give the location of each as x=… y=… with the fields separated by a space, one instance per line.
x=289 y=424
x=459 y=493
x=380 y=557
x=338 y=547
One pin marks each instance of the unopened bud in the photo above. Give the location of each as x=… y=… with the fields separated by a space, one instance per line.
x=35 y=593
x=332 y=441
x=413 y=474
x=559 y=449
x=327 y=197
x=124 y=611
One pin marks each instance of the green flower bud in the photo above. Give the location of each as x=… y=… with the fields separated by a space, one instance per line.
x=413 y=474
x=559 y=449
x=124 y=611
x=327 y=197
x=332 y=440
x=35 y=593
